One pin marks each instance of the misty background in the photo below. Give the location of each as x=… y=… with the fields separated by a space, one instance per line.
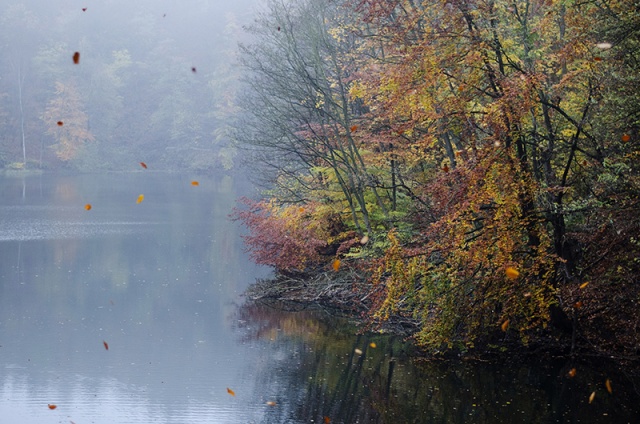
x=155 y=83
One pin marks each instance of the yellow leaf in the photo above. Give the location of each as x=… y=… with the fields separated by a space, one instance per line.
x=592 y=397
x=140 y=198
x=505 y=325
x=512 y=273
x=608 y=385
x=372 y=345
x=583 y=285
x=336 y=264
x=231 y=392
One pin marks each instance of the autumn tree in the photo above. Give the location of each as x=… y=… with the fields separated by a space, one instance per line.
x=67 y=122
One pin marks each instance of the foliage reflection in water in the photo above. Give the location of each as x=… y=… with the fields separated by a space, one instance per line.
x=321 y=370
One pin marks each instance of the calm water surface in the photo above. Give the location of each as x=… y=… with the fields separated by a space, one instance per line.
x=160 y=283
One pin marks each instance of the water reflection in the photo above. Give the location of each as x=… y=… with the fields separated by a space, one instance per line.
x=319 y=369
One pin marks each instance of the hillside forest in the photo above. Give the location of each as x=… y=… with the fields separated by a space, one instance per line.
x=154 y=81
x=466 y=167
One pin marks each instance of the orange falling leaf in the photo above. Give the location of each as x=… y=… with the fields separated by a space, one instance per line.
x=607 y=384
x=578 y=304
x=592 y=397
x=353 y=128
x=571 y=373
x=60 y=123
x=597 y=59
x=52 y=406
x=512 y=273
x=271 y=403
x=140 y=198
x=372 y=345
x=336 y=264
x=144 y=165
x=445 y=168
x=87 y=206
x=195 y=183
x=106 y=345
x=583 y=285
x=327 y=420
x=231 y=392
x=505 y=325
x=301 y=210
x=76 y=57
x=625 y=137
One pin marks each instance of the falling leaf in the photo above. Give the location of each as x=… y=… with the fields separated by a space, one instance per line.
x=278 y=28
x=84 y=9
x=60 y=123
x=195 y=183
x=144 y=165
x=460 y=88
x=231 y=392
x=353 y=128
x=592 y=397
x=571 y=373
x=372 y=345
x=597 y=59
x=76 y=57
x=607 y=384
x=625 y=137
x=445 y=168
x=364 y=240
x=193 y=69
x=52 y=406
x=301 y=210
x=336 y=264
x=271 y=403
x=578 y=304
x=358 y=351
x=583 y=285
x=604 y=45
x=140 y=198
x=327 y=420
x=106 y=345
x=512 y=273
x=505 y=325
x=87 y=206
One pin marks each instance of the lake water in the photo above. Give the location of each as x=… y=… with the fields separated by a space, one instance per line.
x=133 y=313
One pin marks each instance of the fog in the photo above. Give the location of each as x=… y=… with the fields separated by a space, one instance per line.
x=155 y=82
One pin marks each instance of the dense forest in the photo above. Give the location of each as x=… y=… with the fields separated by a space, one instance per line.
x=153 y=82
x=470 y=167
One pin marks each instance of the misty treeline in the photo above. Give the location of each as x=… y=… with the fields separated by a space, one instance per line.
x=471 y=164
x=154 y=82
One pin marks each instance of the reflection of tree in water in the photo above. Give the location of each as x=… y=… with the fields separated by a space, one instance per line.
x=312 y=370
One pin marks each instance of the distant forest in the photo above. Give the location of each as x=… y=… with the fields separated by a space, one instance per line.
x=468 y=166
x=154 y=81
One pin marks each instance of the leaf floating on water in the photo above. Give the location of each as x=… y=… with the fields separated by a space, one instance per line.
x=512 y=273
x=625 y=137
x=364 y=240
x=336 y=264
x=52 y=406
x=60 y=123
x=195 y=183
x=231 y=392
x=271 y=403
x=583 y=285
x=106 y=345
x=571 y=373
x=76 y=57
x=87 y=206
x=140 y=198
x=607 y=384
x=505 y=325
x=592 y=397
x=144 y=165
x=358 y=351
x=372 y=345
